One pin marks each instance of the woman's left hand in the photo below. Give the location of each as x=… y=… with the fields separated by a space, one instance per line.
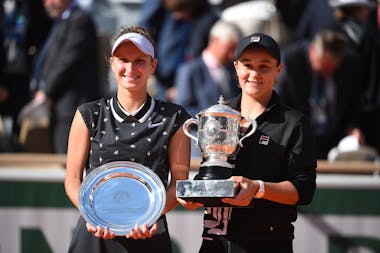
x=100 y=232
x=189 y=204
x=142 y=232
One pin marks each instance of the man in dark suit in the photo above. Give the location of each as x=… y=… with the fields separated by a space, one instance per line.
x=364 y=36
x=200 y=83
x=321 y=79
x=180 y=29
x=66 y=71
x=24 y=26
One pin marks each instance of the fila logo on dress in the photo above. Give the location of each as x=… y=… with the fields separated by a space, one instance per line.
x=264 y=140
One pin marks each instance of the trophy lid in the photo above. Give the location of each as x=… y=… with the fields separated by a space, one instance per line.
x=221 y=109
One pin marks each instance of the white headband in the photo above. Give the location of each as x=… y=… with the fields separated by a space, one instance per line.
x=138 y=40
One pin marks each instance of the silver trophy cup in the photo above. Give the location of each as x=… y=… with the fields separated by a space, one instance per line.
x=219 y=137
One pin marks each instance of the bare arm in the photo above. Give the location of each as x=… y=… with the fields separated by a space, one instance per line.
x=283 y=192
x=179 y=162
x=77 y=153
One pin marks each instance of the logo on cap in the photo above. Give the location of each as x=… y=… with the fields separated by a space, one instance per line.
x=255 y=38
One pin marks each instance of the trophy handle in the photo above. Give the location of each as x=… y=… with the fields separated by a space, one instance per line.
x=186 y=126
x=254 y=127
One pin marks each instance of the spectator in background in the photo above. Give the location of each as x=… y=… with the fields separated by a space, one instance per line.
x=374 y=11
x=258 y=16
x=322 y=80
x=3 y=90
x=364 y=38
x=25 y=26
x=291 y=13
x=66 y=70
x=277 y=18
x=200 y=83
x=317 y=16
x=152 y=14
x=181 y=29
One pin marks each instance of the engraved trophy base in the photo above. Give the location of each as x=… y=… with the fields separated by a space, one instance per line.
x=208 y=187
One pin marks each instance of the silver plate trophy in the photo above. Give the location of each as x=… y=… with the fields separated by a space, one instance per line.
x=119 y=195
x=219 y=137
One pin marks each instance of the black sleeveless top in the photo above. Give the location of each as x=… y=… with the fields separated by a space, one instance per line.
x=143 y=138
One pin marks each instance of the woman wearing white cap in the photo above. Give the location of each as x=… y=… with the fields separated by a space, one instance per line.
x=130 y=126
x=274 y=170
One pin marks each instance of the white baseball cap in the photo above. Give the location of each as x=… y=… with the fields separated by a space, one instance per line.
x=139 y=40
x=341 y=3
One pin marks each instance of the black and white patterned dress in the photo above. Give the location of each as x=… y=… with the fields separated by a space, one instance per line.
x=142 y=138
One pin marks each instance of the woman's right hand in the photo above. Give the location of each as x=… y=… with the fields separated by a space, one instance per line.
x=100 y=232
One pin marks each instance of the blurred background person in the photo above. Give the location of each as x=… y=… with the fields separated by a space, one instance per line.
x=289 y=10
x=3 y=90
x=181 y=29
x=200 y=83
x=354 y=20
x=24 y=26
x=322 y=80
x=258 y=16
x=317 y=16
x=291 y=13
x=66 y=70
x=280 y=19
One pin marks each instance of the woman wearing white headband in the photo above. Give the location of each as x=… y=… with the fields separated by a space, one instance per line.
x=130 y=126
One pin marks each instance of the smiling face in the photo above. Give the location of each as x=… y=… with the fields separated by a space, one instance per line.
x=257 y=72
x=132 y=67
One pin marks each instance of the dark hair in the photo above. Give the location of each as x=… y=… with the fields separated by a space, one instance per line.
x=333 y=42
x=137 y=29
x=194 y=7
x=350 y=11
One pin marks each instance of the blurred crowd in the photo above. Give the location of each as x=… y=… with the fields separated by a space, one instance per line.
x=54 y=56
